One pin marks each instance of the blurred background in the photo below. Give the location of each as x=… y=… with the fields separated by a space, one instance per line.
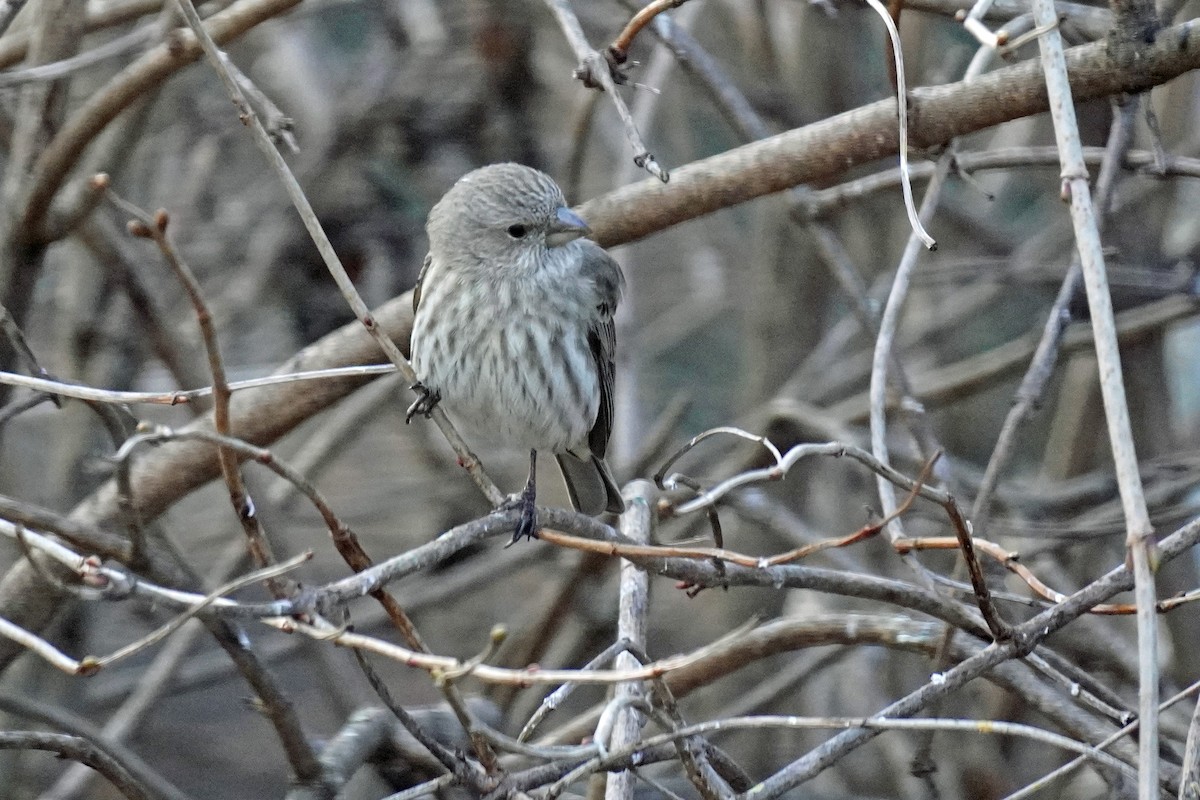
x=760 y=316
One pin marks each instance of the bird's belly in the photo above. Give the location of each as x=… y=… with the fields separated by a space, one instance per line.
x=516 y=387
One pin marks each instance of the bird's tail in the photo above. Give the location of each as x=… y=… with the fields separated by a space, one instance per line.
x=590 y=484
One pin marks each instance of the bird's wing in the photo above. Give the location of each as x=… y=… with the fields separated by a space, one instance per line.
x=421 y=280
x=602 y=339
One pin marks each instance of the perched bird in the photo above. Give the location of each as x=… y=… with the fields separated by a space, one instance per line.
x=513 y=330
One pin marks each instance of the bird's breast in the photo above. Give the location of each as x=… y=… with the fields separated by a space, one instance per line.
x=511 y=361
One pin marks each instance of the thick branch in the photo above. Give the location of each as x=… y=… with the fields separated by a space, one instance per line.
x=828 y=148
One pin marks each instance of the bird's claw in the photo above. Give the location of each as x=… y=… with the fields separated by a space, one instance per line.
x=525 y=502
x=425 y=403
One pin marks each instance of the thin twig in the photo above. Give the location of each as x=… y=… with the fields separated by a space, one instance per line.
x=821 y=202
x=100 y=108
x=157 y=678
x=262 y=139
x=559 y=695
x=170 y=627
x=48 y=652
x=619 y=49
x=914 y=219
x=182 y=396
x=883 y=354
x=875 y=724
x=1041 y=367
x=128 y=42
x=75 y=725
x=323 y=631
x=1075 y=763
x=1026 y=636
x=595 y=71
x=155 y=228
x=1139 y=531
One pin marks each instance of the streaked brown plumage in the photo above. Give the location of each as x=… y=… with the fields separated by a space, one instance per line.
x=513 y=329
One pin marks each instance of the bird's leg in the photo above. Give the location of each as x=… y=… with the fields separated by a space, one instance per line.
x=426 y=402
x=526 y=502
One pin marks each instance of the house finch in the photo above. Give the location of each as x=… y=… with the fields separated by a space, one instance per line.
x=513 y=328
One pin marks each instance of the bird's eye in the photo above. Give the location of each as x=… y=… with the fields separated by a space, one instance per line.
x=517 y=231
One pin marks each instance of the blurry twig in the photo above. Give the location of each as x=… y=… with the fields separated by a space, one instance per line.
x=583 y=117
x=658 y=435
x=103 y=106
x=174 y=350
x=19 y=405
x=698 y=62
x=261 y=455
x=68 y=722
x=426 y=789
x=619 y=49
x=974 y=373
x=278 y=125
x=1189 y=780
x=58 y=69
x=459 y=768
x=14 y=46
x=556 y=607
x=78 y=748
x=8 y=12
x=341 y=430
x=596 y=71
x=16 y=340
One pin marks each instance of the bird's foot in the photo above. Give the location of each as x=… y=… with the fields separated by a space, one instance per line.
x=425 y=403
x=525 y=502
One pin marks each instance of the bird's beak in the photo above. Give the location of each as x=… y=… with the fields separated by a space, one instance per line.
x=566 y=227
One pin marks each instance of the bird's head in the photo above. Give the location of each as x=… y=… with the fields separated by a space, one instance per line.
x=503 y=213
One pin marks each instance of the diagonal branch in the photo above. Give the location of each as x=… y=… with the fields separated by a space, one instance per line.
x=828 y=148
